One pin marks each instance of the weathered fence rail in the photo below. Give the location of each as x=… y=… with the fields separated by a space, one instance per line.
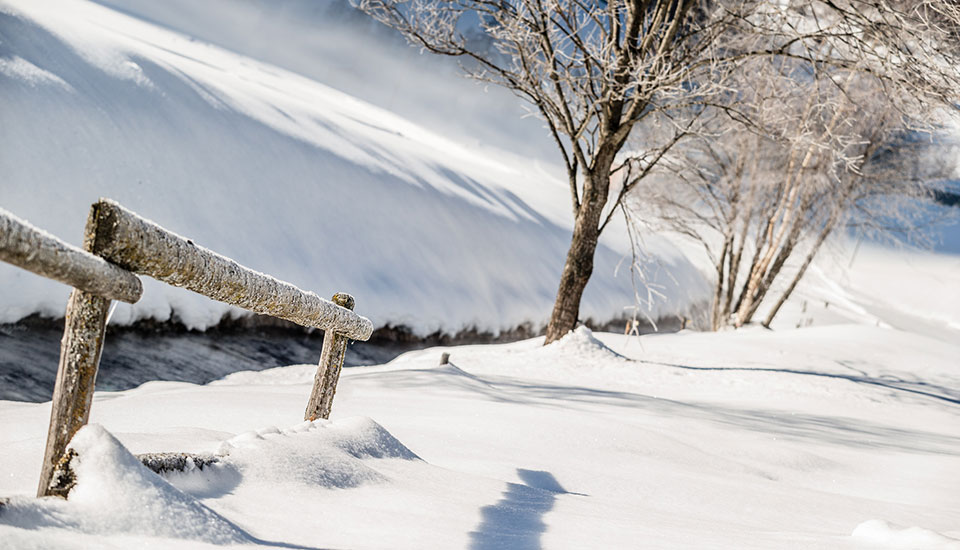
x=118 y=243
x=143 y=247
x=25 y=246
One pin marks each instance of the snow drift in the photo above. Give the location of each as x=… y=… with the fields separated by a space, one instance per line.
x=116 y=494
x=751 y=439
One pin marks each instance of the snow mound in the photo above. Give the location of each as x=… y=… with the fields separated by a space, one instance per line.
x=580 y=344
x=319 y=453
x=116 y=494
x=882 y=533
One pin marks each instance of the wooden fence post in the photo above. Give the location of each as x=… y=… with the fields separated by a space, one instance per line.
x=84 y=327
x=328 y=370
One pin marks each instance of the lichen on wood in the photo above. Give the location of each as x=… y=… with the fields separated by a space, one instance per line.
x=64 y=477
x=141 y=246
x=27 y=247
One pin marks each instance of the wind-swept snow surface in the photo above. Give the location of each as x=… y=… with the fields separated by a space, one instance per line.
x=282 y=173
x=845 y=437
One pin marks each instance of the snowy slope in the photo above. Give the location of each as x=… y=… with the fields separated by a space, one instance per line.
x=911 y=290
x=823 y=438
x=282 y=173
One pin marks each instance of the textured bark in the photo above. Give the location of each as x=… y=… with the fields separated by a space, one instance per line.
x=64 y=477
x=578 y=266
x=29 y=248
x=83 y=333
x=328 y=371
x=144 y=247
x=577 y=270
x=86 y=319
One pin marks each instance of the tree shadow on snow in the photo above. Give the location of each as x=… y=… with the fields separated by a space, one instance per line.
x=917 y=387
x=516 y=520
x=847 y=432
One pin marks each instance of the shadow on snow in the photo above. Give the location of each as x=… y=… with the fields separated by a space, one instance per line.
x=516 y=520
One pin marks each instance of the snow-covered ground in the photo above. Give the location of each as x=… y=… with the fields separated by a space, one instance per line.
x=833 y=437
x=839 y=429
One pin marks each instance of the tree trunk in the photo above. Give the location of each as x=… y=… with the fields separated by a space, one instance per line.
x=718 y=287
x=576 y=273
x=799 y=275
x=579 y=263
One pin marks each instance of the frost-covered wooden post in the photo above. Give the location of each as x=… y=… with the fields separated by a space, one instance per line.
x=80 y=348
x=328 y=370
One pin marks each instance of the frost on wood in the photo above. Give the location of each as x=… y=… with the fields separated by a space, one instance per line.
x=27 y=247
x=176 y=462
x=328 y=371
x=80 y=349
x=83 y=332
x=142 y=246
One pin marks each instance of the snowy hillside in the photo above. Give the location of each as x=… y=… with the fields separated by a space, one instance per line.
x=284 y=173
x=822 y=438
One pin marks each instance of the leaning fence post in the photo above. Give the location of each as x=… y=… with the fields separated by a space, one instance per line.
x=84 y=327
x=328 y=371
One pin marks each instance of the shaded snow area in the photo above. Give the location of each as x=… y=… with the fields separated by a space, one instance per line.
x=261 y=160
x=842 y=437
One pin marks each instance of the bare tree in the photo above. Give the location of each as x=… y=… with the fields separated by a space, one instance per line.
x=827 y=150
x=595 y=71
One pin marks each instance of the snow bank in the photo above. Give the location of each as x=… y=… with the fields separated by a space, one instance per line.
x=886 y=535
x=316 y=454
x=750 y=439
x=115 y=494
x=579 y=345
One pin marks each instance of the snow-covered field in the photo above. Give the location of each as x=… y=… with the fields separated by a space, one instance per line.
x=839 y=429
x=832 y=437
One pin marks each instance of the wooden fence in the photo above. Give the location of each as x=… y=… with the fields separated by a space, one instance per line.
x=117 y=245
